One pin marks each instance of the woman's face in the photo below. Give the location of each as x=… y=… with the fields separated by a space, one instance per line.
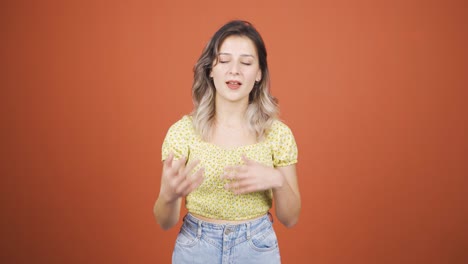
x=236 y=71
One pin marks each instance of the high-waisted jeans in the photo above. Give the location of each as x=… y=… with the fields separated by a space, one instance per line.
x=208 y=243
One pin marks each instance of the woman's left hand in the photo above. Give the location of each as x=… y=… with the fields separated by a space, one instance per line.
x=251 y=177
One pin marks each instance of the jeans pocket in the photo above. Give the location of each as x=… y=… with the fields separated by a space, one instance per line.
x=266 y=240
x=186 y=239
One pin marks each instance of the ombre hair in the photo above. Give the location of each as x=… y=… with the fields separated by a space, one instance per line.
x=263 y=107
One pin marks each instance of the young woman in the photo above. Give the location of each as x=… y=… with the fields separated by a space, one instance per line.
x=231 y=157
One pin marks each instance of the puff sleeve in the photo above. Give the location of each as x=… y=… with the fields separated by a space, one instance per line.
x=177 y=139
x=283 y=144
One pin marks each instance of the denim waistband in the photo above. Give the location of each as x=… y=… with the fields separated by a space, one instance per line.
x=196 y=226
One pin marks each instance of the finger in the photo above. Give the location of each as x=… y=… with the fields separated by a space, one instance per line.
x=191 y=166
x=226 y=175
x=180 y=163
x=240 y=184
x=182 y=187
x=197 y=180
x=244 y=190
x=246 y=160
x=247 y=188
x=234 y=176
x=198 y=174
x=232 y=185
x=242 y=169
x=191 y=183
x=182 y=183
x=241 y=172
x=168 y=160
x=242 y=176
x=229 y=172
x=231 y=168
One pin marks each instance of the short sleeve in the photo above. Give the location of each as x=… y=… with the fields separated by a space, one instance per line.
x=177 y=139
x=283 y=145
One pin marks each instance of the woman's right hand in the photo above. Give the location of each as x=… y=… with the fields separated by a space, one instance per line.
x=177 y=180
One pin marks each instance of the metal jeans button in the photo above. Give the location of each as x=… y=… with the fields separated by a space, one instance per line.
x=227 y=231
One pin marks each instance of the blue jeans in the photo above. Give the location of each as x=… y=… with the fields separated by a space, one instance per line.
x=206 y=243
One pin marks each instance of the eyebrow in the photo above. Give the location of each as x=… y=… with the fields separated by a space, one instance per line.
x=242 y=55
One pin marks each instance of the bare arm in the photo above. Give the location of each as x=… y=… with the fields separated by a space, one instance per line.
x=286 y=196
x=167 y=212
x=175 y=184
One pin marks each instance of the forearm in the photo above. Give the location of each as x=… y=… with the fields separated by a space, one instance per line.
x=287 y=202
x=167 y=213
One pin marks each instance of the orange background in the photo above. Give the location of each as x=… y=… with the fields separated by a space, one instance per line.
x=374 y=91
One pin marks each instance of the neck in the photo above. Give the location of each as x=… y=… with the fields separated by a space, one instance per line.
x=231 y=113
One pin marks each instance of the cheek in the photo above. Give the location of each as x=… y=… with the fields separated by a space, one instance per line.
x=217 y=72
x=218 y=82
x=253 y=76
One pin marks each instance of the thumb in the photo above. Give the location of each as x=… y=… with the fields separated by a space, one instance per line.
x=246 y=160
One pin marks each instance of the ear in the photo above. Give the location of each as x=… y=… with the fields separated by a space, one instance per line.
x=259 y=76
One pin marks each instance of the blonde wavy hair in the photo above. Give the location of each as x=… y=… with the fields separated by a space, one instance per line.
x=263 y=107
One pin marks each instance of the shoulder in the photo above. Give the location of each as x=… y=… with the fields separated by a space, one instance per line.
x=183 y=124
x=182 y=129
x=278 y=128
x=178 y=138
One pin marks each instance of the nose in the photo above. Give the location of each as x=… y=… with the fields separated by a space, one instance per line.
x=234 y=69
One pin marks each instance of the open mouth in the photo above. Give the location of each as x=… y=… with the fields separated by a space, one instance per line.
x=233 y=84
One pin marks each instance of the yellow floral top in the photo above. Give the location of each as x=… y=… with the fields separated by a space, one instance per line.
x=210 y=199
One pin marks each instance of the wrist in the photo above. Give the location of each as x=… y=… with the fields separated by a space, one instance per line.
x=166 y=199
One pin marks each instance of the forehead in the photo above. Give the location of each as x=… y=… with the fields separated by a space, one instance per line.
x=238 y=45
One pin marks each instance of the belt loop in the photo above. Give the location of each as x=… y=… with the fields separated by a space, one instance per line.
x=248 y=231
x=199 y=229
